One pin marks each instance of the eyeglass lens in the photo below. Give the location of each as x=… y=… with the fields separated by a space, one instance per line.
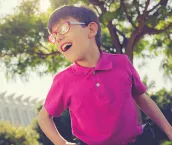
x=63 y=28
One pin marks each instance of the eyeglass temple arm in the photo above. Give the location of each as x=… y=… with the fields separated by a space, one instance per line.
x=76 y=23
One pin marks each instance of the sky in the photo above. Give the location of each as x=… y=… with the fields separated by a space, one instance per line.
x=39 y=86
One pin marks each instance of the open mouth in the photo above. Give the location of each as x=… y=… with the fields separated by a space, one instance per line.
x=66 y=46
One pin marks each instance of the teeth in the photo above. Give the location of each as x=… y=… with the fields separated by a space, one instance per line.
x=66 y=46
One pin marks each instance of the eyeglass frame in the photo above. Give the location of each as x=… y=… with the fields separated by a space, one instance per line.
x=69 y=23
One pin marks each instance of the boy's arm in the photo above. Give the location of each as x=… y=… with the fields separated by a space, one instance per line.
x=48 y=127
x=148 y=106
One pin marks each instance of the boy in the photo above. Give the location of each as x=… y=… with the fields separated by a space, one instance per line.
x=98 y=88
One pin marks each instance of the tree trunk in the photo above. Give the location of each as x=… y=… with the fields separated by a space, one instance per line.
x=114 y=37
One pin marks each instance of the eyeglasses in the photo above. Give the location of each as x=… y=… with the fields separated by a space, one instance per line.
x=62 y=29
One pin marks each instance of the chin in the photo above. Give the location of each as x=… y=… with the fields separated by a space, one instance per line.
x=76 y=58
x=72 y=60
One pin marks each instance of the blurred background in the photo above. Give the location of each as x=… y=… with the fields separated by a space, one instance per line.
x=141 y=29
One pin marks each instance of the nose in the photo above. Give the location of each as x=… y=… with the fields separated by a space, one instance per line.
x=59 y=37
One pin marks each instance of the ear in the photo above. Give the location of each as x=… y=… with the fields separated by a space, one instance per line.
x=93 y=28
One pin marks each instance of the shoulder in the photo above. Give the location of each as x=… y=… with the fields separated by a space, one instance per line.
x=117 y=58
x=61 y=76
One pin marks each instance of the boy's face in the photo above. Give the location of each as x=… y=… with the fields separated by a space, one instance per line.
x=78 y=40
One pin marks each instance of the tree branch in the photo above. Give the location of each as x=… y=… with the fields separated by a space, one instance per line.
x=124 y=37
x=98 y=3
x=162 y=2
x=155 y=31
x=146 y=5
x=43 y=46
x=137 y=8
x=134 y=38
x=138 y=38
x=115 y=39
x=115 y=29
x=157 y=13
x=168 y=35
x=95 y=7
x=7 y=54
x=41 y=54
x=126 y=12
x=154 y=7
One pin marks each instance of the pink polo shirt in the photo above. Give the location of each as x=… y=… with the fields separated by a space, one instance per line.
x=100 y=100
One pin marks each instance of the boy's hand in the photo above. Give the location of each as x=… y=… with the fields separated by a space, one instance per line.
x=68 y=143
x=170 y=135
x=170 y=138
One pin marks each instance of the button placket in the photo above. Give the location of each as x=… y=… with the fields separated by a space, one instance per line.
x=95 y=80
x=99 y=89
x=98 y=86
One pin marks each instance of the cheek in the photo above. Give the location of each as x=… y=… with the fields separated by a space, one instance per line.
x=81 y=33
x=81 y=37
x=57 y=47
x=81 y=42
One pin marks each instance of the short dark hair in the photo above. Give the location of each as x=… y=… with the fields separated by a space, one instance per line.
x=82 y=14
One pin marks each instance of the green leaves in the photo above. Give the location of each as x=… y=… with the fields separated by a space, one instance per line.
x=23 y=34
x=141 y=46
x=23 y=42
x=107 y=16
x=163 y=98
x=13 y=135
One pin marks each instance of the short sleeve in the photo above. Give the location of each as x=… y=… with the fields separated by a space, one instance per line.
x=138 y=88
x=55 y=102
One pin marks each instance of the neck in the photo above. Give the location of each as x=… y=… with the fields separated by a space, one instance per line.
x=91 y=58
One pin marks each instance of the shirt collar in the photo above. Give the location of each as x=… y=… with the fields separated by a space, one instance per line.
x=104 y=63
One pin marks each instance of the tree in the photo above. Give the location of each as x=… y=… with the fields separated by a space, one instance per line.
x=163 y=99
x=126 y=26
x=10 y=134
x=149 y=85
x=23 y=42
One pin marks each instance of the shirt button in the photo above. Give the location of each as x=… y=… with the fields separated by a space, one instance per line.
x=98 y=84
